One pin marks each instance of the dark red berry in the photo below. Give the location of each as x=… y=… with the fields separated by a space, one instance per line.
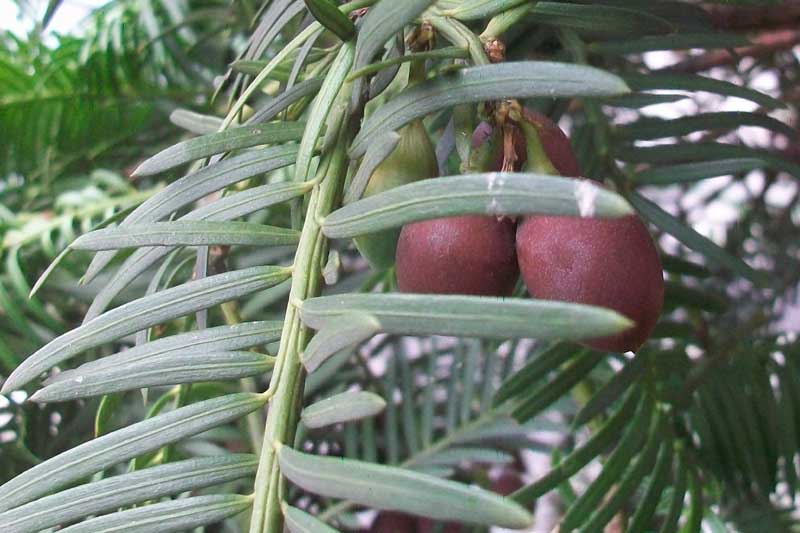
x=470 y=254
x=555 y=143
x=392 y=522
x=610 y=263
x=506 y=483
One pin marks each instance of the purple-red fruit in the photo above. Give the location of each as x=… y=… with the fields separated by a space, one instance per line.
x=610 y=263
x=392 y=522
x=470 y=254
x=540 y=145
x=506 y=483
x=554 y=142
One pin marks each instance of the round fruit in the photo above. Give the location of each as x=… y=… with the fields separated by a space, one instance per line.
x=506 y=482
x=554 y=142
x=413 y=159
x=472 y=254
x=391 y=522
x=609 y=263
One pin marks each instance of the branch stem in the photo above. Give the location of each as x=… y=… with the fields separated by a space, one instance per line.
x=288 y=376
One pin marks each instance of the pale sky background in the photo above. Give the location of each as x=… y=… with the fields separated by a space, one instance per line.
x=67 y=18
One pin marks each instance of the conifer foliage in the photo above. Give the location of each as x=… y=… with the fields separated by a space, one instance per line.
x=403 y=265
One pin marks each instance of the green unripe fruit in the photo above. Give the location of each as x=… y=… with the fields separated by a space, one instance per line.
x=413 y=159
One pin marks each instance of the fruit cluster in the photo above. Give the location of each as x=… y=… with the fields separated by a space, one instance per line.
x=610 y=263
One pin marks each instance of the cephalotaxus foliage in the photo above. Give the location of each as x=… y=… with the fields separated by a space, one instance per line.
x=239 y=362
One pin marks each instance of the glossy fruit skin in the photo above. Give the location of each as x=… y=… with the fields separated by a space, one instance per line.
x=392 y=522
x=472 y=254
x=413 y=159
x=610 y=263
x=555 y=143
